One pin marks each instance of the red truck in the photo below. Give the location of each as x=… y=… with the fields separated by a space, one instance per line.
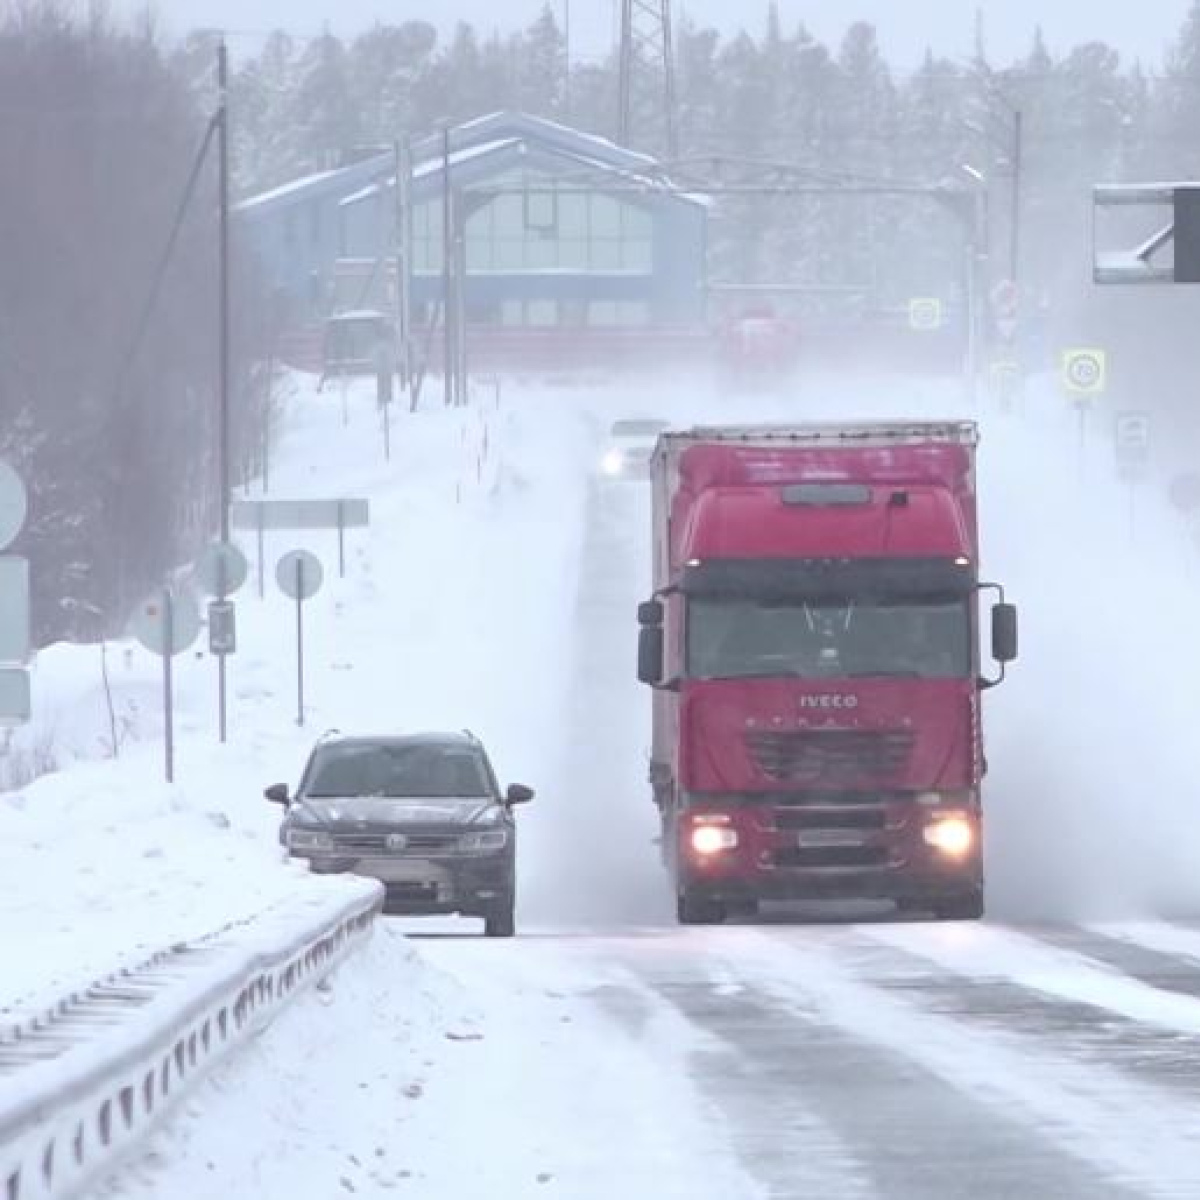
x=813 y=642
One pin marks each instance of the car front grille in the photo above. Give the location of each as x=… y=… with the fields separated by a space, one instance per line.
x=829 y=756
x=417 y=843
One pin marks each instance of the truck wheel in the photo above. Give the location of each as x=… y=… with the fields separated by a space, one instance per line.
x=691 y=909
x=499 y=921
x=968 y=907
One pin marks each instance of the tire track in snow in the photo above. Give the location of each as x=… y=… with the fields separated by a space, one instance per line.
x=820 y=1105
x=1079 y=1128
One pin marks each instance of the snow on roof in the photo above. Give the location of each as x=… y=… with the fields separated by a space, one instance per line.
x=432 y=167
x=284 y=190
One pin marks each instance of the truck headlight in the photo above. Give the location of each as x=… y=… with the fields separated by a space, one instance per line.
x=483 y=843
x=613 y=463
x=953 y=835
x=713 y=839
x=308 y=839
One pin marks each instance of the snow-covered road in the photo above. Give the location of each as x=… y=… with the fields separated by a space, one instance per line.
x=794 y=1061
x=605 y=1052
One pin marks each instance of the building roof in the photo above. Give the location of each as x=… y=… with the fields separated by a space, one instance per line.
x=589 y=159
x=329 y=182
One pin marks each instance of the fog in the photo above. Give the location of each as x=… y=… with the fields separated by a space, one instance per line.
x=1091 y=807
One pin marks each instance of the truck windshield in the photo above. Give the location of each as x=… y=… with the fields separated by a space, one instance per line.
x=827 y=639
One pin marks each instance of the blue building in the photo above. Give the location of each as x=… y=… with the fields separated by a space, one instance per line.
x=558 y=229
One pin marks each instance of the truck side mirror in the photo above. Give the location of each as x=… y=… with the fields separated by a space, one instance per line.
x=1004 y=633
x=650 y=654
x=650 y=613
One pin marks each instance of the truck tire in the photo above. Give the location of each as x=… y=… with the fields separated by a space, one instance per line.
x=691 y=909
x=499 y=922
x=967 y=907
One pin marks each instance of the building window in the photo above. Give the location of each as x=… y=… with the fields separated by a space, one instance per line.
x=541 y=210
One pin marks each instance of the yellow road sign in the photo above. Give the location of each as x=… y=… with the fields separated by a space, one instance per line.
x=1084 y=371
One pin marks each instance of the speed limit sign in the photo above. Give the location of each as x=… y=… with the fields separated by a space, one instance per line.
x=1084 y=372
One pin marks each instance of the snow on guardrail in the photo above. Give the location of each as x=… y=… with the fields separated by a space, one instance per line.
x=83 y=1083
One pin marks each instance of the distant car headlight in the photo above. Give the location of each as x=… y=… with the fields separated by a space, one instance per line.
x=613 y=463
x=308 y=839
x=483 y=843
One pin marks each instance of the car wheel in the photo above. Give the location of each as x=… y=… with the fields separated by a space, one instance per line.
x=691 y=909
x=499 y=921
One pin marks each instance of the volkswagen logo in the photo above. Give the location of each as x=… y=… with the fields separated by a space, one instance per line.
x=396 y=841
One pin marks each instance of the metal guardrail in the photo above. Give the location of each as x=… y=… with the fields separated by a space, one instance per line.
x=83 y=1083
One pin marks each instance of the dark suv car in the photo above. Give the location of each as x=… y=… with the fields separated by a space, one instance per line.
x=422 y=813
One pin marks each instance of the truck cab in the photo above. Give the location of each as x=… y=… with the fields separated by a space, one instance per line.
x=814 y=645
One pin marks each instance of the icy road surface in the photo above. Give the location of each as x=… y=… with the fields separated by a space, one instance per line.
x=902 y=1062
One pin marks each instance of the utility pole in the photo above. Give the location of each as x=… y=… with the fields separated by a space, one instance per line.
x=1018 y=149
x=403 y=255
x=647 y=47
x=447 y=274
x=223 y=421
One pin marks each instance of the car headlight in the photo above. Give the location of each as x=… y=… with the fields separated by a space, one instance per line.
x=713 y=839
x=308 y=839
x=613 y=463
x=489 y=816
x=483 y=843
x=953 y=835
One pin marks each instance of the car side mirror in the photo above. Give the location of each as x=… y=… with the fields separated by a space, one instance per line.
x=518 y=793
x=277 y=793
x=1004 y=633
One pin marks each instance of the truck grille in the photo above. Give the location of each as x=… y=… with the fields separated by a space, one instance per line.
x=830 y=818
x=829 y=756
x=831 y=856
x=376 y=843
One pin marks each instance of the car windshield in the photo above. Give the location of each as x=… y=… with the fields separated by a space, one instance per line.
x=730 y=639
x=397 y=772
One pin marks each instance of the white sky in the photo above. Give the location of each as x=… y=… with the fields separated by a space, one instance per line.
x=1139 y=30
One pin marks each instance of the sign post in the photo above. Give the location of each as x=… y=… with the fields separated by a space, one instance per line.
x=167 y=624
x=262 y=515
x=1084 y=376
x=222 y=570
x=1132 y=442
x=299 y=576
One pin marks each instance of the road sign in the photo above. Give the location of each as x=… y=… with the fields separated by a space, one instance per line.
x=1085 y=372
x=1132 y=432
x=222 y=569
x=299 y=575
x=222 y=627
x=16 y=703
x=14 y=505
x=925 y=313
x=150 y=619
x=14 y=609
x=299 y=514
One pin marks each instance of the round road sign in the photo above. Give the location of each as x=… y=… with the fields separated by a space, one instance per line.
x=14 y=504
x=222 y=569
x=1084 y=371
x=149 y=622
x=299 y=575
